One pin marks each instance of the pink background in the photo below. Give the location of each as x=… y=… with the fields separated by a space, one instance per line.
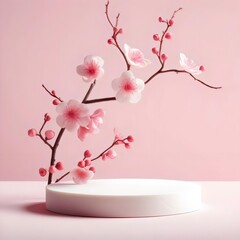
x=183 y=130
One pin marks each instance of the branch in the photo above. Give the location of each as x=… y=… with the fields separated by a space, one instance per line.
x=93 y=159
x=54 y=149
x=180 y=71
x=41 y=137
x=115 y=34
x=53 y=95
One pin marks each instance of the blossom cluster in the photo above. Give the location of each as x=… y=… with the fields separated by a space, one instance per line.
x=74 y=115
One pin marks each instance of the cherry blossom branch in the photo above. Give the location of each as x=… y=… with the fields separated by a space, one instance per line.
x=52 y=93
x=41 y=137
x=86 y=101
x=54 y=149
x=113 y=144
x=116 y=31
x=179 y=71
x=183 y=71
x=116 y=142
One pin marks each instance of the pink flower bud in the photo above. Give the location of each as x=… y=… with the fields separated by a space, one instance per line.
x=120 y=31
x=171 y=22
x=164 y=57
x=47 y=117
x=115 y=29
x=87 y=154
x=127 y=145
x=53 y=93
x=59 y=166
x=168 y=35
x=81 y=164
x=49 y=134
x=155 y=50
x=156 y=37
x=201 y=68
x=110 y=41
x=52 y=169
x=87 y=162
x=111 y=154
x=160 y=19
x=92 y=169
x=130 y=138
x=55 y=102
x=32 y=132
x=42 y=172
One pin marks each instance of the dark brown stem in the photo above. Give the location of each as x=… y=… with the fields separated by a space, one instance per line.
x=63 y=176
x=89 y=91
x=115 y=34
x=121 y=51
x=54 y=149
x=183 y=71
x=41 y=136
x=99 y=100
x=163 y=35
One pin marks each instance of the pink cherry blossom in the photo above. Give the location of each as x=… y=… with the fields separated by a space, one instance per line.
x=83 y=132
x=95 y=121
x=128 y=87
x=72 y=114
x=91 y=69
x=135 y=57
x=189 y=65
x=110 y=154
x=81 y=175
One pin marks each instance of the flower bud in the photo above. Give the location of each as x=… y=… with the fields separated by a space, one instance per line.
x=201 y=68
x=32 y=132
x=127 y=145
x=47 y=117
x=87 y=154
x=110 y=41
x=120 y=31
x=87 y=162
x=155 y=50
x=59 y=166
x=164 y=57
x=160 y=19
x=53 y=93
x=92 y=169
x=49 y=134
x=156 y=37
x=115 y=29
x=130 y=138
x=52 y=169
x=81 y=164
x=171 y=22
x=55 y=102
x=168 y=35
x=42 y=172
